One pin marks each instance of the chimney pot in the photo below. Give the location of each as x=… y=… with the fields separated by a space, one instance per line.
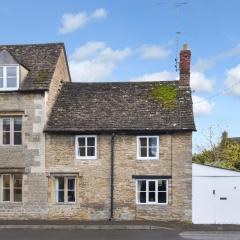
x=185 y=46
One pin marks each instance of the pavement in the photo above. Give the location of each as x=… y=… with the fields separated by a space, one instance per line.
x=113 y=225
x=88 y=225
x=139 y=230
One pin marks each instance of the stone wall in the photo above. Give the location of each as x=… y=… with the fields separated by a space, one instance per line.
x=30 y=155
x=93 y=196
x=60 y=76
x=93 y=183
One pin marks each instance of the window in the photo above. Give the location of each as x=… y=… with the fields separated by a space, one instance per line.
x=17 y=184
x=153 y=191
x=6 y=188
x=6 y=131
x=12 y=188
x=147 y=147
x=1 y=77
x=9 y=77
x=86 y=147
x=11 y=130
x=65 y=189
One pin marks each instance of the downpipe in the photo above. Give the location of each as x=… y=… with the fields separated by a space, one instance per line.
x=112 y=178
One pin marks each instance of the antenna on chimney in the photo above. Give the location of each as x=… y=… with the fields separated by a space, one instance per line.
x=178 y=32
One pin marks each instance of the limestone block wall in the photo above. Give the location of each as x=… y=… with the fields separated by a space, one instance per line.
x=60 y=76
x=93 y=190
x=93 y=182
x=30 y=155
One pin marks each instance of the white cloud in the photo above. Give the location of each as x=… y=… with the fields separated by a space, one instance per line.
x=201 y=106
x=107 y=54
x=203 y=64
x=233 y=80
x=95 y=61
x=99 y=13
x=199 y=82
x=72 y=22
x=154 y=52
x=90 y=49
x=233 y=52
x=90 y=70
x=157 y=76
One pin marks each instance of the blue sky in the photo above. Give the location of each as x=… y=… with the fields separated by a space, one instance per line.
x=135 y=40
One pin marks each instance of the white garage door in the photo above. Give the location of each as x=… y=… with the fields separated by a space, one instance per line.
x=216 y=200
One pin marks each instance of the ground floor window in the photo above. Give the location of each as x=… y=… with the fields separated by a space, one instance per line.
x=152 y=191
x=65 y=189
x=11 y=187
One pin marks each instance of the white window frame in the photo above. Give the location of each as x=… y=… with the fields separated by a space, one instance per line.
x=5 y=88
x=139 y=148
x=11 y=189
x=65 y=190
x=156 y=192
x=11 y=131
x=76 y=147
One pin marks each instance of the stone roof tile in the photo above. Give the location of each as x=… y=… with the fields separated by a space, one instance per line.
x=125 y=106
x=39 y=59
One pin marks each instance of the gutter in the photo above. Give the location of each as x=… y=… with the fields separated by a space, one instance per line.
x=108 y=131
x=112 y=178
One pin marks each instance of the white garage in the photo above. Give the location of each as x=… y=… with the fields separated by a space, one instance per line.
x=216 y=195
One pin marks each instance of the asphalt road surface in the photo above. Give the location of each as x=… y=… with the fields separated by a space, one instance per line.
x=212 y=235
x=21 y=234
x=17 y=234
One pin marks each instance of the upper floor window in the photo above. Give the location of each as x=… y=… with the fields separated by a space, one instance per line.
x=9 y=77
x=11 y=130
x=147 y=147
x=86 y=147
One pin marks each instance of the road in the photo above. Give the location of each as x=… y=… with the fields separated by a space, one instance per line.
x=17 y=234
x=212 y=235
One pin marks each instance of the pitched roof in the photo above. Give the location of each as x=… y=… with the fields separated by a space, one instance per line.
x=39 y=59
x=126 y=106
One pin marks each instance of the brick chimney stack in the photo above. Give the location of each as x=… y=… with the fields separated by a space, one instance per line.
x=184 y=66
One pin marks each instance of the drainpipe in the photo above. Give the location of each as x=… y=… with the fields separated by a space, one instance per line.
x=112 y=176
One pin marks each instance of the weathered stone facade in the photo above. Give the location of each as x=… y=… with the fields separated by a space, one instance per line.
x=93 y=191
x=30 y=156
x=29 y=159
x=60 y=76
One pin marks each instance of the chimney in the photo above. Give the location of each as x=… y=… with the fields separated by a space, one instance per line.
x=184 y=65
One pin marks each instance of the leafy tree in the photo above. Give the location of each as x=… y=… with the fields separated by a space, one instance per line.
x=224 y=154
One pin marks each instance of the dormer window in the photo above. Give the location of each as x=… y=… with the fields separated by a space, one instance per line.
x=9 y=77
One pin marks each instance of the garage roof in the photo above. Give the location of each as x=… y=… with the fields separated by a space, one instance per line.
x=200 y=170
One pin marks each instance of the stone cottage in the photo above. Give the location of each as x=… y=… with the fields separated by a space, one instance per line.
x=91 y=151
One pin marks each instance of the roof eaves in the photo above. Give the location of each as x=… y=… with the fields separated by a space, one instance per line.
x=76 y=130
